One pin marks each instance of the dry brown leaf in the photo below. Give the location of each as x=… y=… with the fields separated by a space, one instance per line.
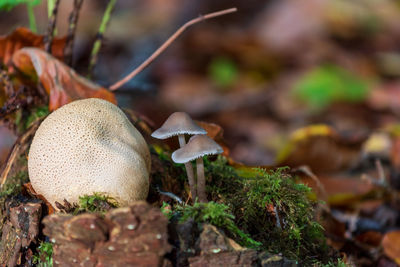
x=62 y=83
x=371 y=238
x=391 y=245
x=340 y=190
x=321 y=148
x=22 y=37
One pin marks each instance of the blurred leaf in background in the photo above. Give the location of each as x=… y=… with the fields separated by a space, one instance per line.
x=223 y=71
x=7 y=5
x=326 y=84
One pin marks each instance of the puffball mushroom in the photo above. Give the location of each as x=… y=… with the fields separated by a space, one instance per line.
x=180 y=123
x=198 y=147
x=89 y=146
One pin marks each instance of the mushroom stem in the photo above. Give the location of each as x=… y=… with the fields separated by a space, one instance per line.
x=201 y=181
x=189 y=170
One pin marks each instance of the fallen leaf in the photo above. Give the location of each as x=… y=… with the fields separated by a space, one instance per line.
x=22 y=37
x=321 y=148
x=62 y=83
x=378 y=144
x=371 y=238
x=340 y=190
x=391 y=245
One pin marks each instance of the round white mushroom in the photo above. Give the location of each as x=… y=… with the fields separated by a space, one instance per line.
x=89 y=146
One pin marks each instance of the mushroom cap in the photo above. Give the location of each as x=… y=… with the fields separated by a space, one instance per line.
x=197 y=147
x=176 y=124
x=89 y=146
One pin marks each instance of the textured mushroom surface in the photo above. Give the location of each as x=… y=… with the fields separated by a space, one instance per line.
x=89 y=146
x=176 y=124
x=197 y=147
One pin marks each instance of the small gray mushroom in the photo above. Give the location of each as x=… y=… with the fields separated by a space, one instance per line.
x=198 y=147
x=180 y=123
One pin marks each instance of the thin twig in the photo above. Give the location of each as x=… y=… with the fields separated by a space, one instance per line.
x=48 y=38
x=99 y=35
x=21 y=141
x=73 y=20
x=167 y=43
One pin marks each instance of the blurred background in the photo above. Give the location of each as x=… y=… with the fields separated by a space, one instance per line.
x=310 y=84
x=261 y=73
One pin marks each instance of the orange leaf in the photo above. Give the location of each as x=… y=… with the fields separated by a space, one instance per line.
x=391 y=245
x=22 y=37
x=61 y=82
x=321 y=148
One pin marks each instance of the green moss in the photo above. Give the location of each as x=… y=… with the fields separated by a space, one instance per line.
x=97 y=202
x=14 y=184
x=247 y=204
x=43 y=257
x=218 y=215
x=25 y=118
x=261 y=199
x=36 y=113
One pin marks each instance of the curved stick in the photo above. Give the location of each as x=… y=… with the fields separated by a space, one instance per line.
x=167 y=43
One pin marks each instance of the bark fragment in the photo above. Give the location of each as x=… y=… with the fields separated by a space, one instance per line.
x=131 y=236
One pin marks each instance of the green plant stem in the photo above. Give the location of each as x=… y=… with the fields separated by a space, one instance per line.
x=50 y=7
x=99 y=36
x=32 y=19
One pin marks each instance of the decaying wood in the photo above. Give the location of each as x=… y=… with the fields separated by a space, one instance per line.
x=21 y=228
x=131 y=236
x=66 y=207
x=15 y=152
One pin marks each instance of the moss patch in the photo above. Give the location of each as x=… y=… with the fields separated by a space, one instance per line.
x=259 y=209
x=98 y=203
x=218 y=215
x=13 y=186
x=270 y=207
x=43 y=256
